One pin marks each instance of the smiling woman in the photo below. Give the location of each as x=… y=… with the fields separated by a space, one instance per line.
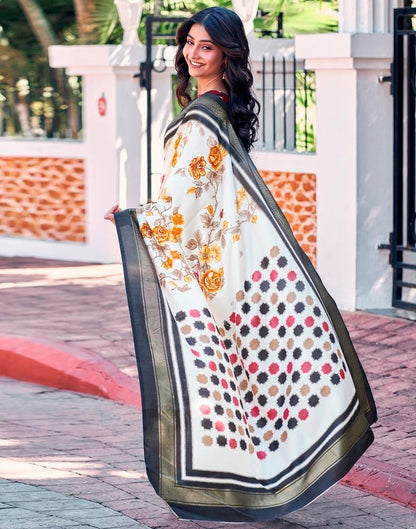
x=254 y=400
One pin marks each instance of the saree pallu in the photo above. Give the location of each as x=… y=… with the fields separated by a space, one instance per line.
x=254 y=400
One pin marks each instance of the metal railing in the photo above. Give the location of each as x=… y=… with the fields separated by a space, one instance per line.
x=286 y=93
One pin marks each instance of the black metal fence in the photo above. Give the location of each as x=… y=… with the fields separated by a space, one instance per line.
x=403 y=237
x=287 y=96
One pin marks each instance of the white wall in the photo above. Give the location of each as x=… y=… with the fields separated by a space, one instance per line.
x=354 y=158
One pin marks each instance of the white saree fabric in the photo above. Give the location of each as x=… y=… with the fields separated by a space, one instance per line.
x=268 y=402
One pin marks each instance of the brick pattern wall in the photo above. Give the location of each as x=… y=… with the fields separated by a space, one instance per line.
x=296 y=195
x=42 y=198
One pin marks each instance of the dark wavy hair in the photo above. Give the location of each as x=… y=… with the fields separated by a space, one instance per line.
x=227 y=31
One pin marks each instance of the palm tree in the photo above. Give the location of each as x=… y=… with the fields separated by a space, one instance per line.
x=39 y=23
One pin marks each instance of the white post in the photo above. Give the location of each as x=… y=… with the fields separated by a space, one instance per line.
x=113 y=134
x=354 y=158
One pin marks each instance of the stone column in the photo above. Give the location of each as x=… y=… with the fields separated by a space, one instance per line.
x=367 y=16
x=354 y=157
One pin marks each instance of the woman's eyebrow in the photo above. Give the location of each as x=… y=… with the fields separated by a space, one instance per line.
x=202 y=40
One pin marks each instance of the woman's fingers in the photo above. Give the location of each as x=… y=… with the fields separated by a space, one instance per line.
x=110 y=213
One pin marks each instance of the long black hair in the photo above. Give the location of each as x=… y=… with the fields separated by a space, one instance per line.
x=227 y=31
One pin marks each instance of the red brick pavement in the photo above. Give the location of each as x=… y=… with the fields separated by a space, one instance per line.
x=85 y=306
x=91 y=448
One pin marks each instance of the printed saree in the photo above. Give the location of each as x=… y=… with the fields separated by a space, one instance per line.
x=254 y=401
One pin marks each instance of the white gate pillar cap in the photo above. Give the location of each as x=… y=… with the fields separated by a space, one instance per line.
x=333 y=51
x=130 y=13
x=246 y=10
x=90 y=59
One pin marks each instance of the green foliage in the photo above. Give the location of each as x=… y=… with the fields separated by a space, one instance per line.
x=305 y=111
x=299 y=16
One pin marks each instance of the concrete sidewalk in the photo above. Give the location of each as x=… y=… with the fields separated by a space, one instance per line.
x=81 y=310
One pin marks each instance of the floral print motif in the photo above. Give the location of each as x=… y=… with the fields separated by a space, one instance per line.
x=185 y=256
x=211 y=281
x=175 y=156
x=216 y=156
x=161 y=234
x=146 y=230
x=177 y=218
x=197 y=167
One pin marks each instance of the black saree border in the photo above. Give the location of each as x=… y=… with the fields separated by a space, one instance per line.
x=240 y=513
x=133 y=251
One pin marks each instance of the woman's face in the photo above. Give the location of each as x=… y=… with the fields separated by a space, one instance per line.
x=204 y=58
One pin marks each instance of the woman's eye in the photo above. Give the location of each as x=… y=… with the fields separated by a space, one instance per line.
x=189 y=42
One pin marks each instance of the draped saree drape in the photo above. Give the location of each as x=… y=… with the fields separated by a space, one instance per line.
x=254 y=400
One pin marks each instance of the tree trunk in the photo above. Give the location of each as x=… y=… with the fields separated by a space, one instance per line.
x=39 y=23
x=83 y=13
x=44 y=33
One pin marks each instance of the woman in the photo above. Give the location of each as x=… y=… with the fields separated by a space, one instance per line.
x=254 y=401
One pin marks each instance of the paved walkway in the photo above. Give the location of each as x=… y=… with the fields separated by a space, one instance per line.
x=83 y=307
x=32 y=507
x=71 y=460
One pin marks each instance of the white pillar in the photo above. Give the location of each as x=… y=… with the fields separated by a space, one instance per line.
x=114 y=148
x=367 y=16
x=354 y=159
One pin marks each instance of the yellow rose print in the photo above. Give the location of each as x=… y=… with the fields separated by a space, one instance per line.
x=204 y=254
x=177 y=141
x=161 y=234
x=176 y=233
x=215 y=252
x=211 y=281
x=167 y=263
x=216 y=156
x=197 y=167
x=145 y=230
x=177 y=218
x=241 y=195
x=175 y=154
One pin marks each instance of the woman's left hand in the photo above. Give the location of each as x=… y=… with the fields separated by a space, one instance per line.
x=110 y=213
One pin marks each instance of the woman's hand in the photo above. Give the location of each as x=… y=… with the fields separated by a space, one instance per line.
x=110 y=213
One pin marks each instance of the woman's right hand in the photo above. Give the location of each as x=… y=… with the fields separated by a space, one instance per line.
x=110 y=213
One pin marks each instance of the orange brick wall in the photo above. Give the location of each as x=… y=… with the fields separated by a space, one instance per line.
x=296 y=195
x=42 y=198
